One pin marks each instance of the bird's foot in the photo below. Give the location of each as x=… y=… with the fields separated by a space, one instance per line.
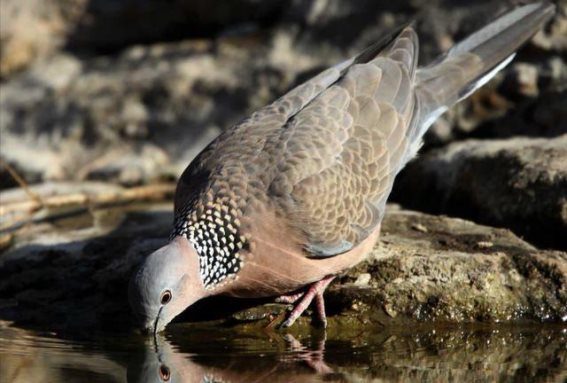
x=303 y=300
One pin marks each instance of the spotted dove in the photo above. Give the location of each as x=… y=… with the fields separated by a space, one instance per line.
x=284 y=201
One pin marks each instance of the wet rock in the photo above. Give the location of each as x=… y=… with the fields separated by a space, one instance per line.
x=457 y=272
x=519 y=183
x=450 y=274
x=72 y=271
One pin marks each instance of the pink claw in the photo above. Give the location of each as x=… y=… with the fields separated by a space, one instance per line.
x=315 y=291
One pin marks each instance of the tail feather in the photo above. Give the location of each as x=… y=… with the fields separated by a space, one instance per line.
x=475 y=60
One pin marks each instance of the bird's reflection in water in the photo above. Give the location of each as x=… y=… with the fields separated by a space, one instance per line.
x=313 y=358
x=164 y=362
x=202 y=353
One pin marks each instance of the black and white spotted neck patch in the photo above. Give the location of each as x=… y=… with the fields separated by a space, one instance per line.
x=215 y=236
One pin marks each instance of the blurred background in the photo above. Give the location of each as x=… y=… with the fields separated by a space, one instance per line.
x=129 y=91
x=103 y=103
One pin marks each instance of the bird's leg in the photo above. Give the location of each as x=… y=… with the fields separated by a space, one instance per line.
x=291 y=298
x=320 y=309
x=315 y=291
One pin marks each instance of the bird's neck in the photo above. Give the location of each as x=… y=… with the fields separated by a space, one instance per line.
x=214 y=230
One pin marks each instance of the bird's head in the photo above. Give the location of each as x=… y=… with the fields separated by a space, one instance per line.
x=166 y=284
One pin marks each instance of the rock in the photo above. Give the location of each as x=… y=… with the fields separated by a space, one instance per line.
x=163 y=99
x=70 y=108
x=449 y=274
x=128 y=166
x=526 y=99
x=526 y=76
x=555 y=36
x=33 y=29
x=505 y=107
x=544 y=116
x=58 y=277
x=519 y=183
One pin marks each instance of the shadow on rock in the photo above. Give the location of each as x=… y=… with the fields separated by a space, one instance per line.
x=75 y=280
x=69 y=283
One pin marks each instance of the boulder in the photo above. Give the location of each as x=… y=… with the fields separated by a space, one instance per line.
x=519 y=183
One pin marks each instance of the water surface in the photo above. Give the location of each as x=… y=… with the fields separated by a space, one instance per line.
x=206 y=353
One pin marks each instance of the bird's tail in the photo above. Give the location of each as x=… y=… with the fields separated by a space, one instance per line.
x=475 y=60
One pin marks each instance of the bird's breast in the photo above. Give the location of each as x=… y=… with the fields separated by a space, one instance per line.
x=275 y=262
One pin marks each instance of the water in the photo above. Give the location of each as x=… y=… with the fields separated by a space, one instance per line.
x=206 y=353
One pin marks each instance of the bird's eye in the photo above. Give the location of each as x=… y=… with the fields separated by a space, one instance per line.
x=164 y=373
x=165 y=297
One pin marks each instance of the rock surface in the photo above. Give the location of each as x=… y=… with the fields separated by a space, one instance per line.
x=70 y=271
x=519 y=183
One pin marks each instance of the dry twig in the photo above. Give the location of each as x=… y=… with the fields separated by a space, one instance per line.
x=20 y=180
x=81 y=201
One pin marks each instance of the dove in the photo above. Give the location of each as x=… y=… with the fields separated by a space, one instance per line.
x=281 y=203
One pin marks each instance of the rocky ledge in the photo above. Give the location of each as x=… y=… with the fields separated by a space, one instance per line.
x=68 y=268
x=519 y=183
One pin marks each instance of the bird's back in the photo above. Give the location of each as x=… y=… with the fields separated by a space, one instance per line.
x=322 y=159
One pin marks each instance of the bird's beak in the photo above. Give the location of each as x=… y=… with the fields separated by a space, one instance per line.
x=156 y=327
x=152 y=326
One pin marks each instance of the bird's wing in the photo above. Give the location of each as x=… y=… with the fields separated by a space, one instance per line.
x=240 y=152
x=341 y=152
x=328 y=151
x=244 y=151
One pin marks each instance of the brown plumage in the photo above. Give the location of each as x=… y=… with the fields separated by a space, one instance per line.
x=295 y=194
